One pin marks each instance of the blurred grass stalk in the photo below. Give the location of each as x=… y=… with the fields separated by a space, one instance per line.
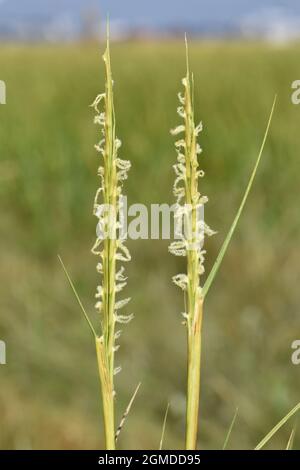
x=191 y=243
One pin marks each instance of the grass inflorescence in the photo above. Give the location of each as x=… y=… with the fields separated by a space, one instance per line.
x=109 y=249
x=188 y=210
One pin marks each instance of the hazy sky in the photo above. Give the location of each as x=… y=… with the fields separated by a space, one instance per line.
x=193 y=10
x=148 y=11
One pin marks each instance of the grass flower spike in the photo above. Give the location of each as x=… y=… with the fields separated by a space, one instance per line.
x=190 y=244
x=109 y=248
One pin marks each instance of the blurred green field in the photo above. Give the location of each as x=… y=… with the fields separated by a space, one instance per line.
x=49 y=392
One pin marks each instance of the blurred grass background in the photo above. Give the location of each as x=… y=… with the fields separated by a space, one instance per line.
x=49 y=393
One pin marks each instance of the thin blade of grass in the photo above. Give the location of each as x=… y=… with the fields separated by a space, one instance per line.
x=77 y=297
x=230 y=429
x=126 y=412
x=224 y=247
x=164 y=428
x=266 y=439
x=291 y=440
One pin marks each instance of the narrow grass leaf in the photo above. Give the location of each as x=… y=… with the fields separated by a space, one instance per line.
x=164 y=428
x=266 y=439
x=291 y=440
x=120 y=427
x=230 y=429
x=224 y=247
x=77 y=297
